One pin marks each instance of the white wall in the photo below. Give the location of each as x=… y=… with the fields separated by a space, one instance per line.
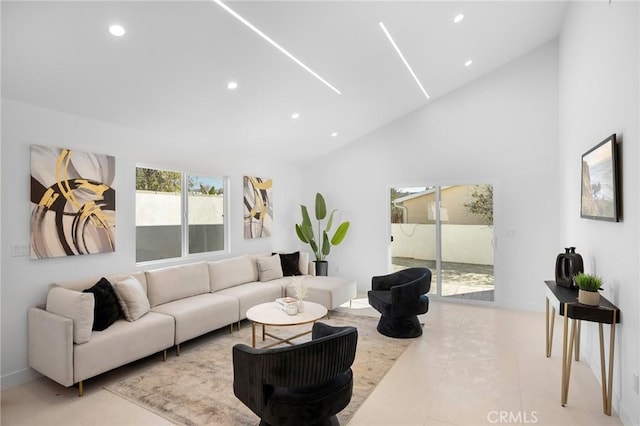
x=500 y=129
x=598 y=80
x=460 y=243
x=24 y=281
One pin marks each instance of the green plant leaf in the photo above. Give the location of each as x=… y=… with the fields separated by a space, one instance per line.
x=341 y=232
x=321 y=207
x=330 y=221
x=326 y=245
x=316 y=252
x=301 y=234
x=306 y=220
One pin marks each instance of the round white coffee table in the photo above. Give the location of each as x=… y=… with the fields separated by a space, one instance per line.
x=270 y=314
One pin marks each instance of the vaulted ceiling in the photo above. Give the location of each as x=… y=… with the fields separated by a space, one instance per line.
x=168 y=74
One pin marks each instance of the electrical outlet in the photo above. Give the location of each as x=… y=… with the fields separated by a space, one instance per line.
x=19 y=249
x=635 y=382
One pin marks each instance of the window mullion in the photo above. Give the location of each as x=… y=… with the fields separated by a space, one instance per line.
x=185 y=215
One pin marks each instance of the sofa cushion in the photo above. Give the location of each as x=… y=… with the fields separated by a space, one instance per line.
x=230 y=272
x=75 y=305
x=133 y=301
x=290 y=263
x=106 y=309
x=122 y=343
x=269 y=268
x=197 y=315
x=255 y=293
x=177 y=282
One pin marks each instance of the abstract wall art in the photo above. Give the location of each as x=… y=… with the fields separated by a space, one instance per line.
x=258 y=207
x=73 y=202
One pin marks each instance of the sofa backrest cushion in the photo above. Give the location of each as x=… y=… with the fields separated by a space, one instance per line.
x=304 y=263
x=176 y=282
x=85 y=283
x=231 y=272
x=77 y=306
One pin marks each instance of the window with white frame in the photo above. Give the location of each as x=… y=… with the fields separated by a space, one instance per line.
x=178 y=214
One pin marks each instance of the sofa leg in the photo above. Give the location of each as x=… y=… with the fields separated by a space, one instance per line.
x=328 y=314
x=231 y=329
x=238 y=325
x=80 y=388
x=178 y=349
x=164 y=355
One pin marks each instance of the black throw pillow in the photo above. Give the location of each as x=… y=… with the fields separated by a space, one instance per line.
x=107 y=309
x=290 y=263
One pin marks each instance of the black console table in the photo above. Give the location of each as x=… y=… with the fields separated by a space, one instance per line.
x=565 y=302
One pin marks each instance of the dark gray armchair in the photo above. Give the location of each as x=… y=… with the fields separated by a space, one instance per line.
x=304 y=384
x=400 y=297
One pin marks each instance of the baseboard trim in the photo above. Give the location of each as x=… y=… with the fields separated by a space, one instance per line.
x=18 y=377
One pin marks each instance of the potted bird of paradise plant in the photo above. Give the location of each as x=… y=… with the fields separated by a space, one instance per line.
x=322 y=245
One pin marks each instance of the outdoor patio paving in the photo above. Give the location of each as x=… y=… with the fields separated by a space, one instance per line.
x=459 y=280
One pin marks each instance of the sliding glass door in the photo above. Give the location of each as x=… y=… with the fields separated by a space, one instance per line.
x=448 y=229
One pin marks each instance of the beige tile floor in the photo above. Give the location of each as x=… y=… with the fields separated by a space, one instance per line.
x=474 y=365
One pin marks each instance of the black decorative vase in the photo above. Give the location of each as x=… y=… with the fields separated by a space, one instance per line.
x=322 y=268
x=568 y=264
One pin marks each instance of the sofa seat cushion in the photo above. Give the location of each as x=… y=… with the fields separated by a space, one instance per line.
x=122 y=343
x=231 y=272
x=197 y=315
x=330 y=292
x=177 y=282
x=252 y=294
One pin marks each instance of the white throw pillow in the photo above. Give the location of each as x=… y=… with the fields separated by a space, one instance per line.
x=75 y=305
x=133 y=300
x=269 y=268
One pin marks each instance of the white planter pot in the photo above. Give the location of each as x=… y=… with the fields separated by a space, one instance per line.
x=591 y=298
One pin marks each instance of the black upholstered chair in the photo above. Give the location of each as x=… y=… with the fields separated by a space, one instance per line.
x=400 y=297
x=304 y=384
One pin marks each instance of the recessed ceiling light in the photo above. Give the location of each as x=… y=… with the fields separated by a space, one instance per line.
x=334 y=134
x=295 y=115
x=458 y=18
x=274 y=44
x=468 y=63
x=406 y=64
x=232 y=85
x=116 y=30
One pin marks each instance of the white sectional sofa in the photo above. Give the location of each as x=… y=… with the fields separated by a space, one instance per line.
x=174 y=304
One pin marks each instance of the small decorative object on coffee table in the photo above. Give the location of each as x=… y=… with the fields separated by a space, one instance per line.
x=588 y=288
x=301 y=290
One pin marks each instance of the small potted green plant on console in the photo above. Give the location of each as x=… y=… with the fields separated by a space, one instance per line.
x=588 y=286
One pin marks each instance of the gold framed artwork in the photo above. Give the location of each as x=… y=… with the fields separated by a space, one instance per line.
x=258 y=207
x=73 y=202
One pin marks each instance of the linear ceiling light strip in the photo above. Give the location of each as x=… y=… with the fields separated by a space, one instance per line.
x=274 y=44
x=395 y=46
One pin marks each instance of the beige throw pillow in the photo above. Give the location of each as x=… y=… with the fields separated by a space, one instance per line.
x=75 y=305
x=132 y=298
x=269 y=268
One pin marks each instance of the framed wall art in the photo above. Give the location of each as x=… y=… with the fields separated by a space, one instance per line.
x=73 y=202
x=600 y=198
x=258 y=207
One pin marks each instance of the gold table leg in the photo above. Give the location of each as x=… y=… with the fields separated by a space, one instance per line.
x=564 y=387
x=607 y=384
x=549 y=326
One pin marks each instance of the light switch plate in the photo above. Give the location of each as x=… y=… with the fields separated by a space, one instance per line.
x=20 y=249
